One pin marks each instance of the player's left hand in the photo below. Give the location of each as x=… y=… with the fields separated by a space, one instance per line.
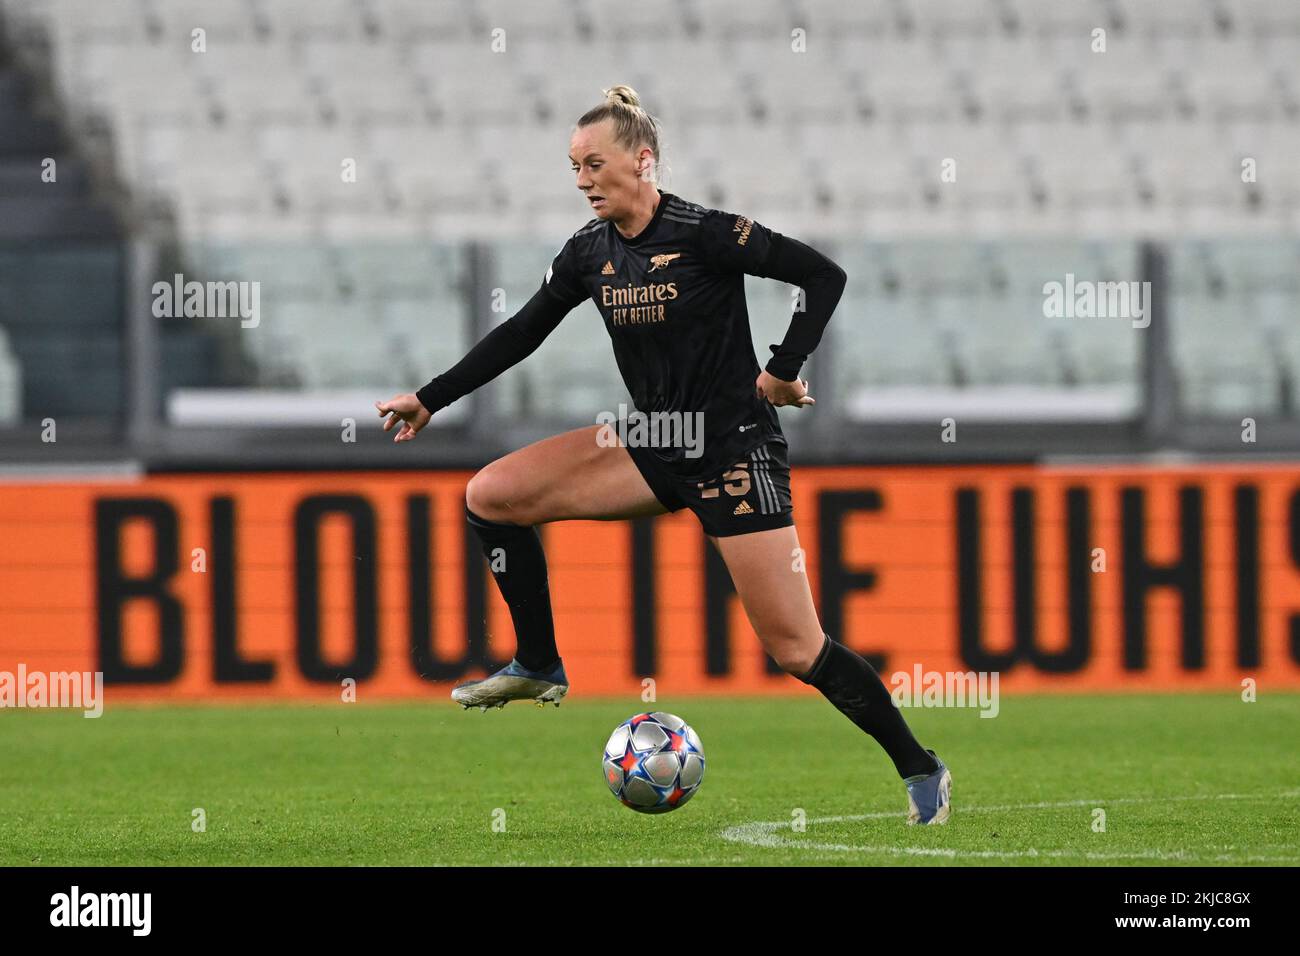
x=782 y=393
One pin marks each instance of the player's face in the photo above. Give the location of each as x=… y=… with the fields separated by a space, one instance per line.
x=606 y=173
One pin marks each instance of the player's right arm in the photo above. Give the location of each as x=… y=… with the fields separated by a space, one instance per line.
x=504 y=347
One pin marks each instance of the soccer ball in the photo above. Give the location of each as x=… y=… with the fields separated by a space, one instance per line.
x=653 y=763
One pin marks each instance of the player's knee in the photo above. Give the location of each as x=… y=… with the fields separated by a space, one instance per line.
x=792 y=654
x=489 y=495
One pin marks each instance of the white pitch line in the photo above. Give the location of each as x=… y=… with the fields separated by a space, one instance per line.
x=764 y=834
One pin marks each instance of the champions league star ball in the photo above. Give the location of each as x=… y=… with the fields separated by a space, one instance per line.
x=653 y=763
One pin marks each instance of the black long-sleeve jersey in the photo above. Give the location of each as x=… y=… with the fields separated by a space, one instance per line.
x=673 y=303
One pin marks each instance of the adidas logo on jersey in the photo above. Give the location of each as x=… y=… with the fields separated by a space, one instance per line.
x=743 y=509
x=609 y=268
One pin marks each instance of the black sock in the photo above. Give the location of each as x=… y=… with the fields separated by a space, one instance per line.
x=853 y=685
x=524 y=585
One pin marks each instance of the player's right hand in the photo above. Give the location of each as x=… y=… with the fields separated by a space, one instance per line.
x=407 y=410
x=781 y=393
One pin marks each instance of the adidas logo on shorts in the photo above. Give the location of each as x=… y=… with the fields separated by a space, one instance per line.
x=743 y=509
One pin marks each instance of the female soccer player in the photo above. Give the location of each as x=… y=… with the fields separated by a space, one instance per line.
x=668 y=278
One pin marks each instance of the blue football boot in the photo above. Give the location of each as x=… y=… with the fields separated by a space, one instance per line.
x=513 y=682
x=929 y=795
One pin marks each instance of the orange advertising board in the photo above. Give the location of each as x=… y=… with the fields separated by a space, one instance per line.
x=283 y=585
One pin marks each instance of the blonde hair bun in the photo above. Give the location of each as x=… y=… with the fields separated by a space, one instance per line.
x=622 y=94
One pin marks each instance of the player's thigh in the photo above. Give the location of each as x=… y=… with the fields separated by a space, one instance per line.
x=767 y=568
x=566 y=476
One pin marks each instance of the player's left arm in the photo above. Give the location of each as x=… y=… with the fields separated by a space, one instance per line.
x=739 y=243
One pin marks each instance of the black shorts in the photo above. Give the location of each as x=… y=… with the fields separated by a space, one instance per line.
x=752 y=495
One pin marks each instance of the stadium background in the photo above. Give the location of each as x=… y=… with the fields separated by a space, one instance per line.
x=128 y=441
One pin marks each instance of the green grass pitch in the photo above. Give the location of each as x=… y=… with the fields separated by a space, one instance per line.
x=1183 y=779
